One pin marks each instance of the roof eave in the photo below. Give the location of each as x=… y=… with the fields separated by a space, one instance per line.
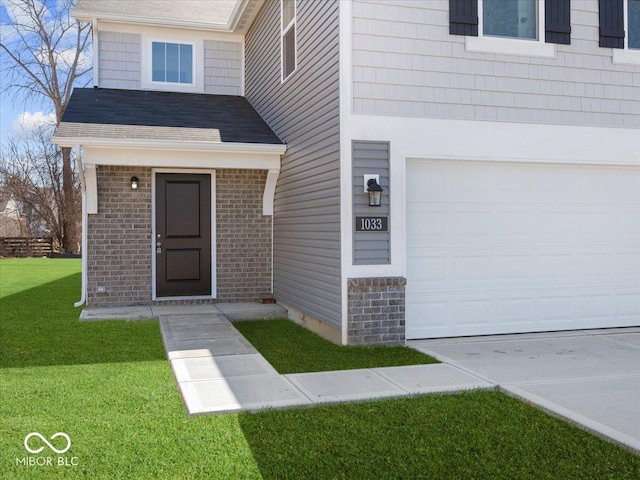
x=85 y=16
x=190 y=145
x=231 y=26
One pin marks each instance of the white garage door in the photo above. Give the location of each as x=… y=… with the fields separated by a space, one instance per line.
x=508 y=247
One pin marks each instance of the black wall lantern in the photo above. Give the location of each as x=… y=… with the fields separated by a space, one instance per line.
x=375 y=192
x=134 y=183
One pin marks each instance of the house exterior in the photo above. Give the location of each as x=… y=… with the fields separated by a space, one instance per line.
x=506 y=142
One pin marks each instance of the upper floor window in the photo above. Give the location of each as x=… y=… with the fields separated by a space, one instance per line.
x=288 y=37
x=172 y=62
x=512 y=27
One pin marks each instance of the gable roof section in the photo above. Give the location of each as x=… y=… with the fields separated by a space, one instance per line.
x=127 y=116
x=228 y=15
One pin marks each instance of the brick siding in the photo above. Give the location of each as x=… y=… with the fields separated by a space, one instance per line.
x=376 y=311
x=119 y=238
x=243 y=236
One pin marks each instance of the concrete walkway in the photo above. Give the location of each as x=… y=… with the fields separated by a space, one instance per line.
x=589 y=377
x=218 y=370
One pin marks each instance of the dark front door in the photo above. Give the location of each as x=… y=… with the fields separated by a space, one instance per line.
x=183 y=235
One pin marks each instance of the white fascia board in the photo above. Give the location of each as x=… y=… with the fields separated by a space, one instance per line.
x=143 y=143
x=180 y=158
x=500 y=141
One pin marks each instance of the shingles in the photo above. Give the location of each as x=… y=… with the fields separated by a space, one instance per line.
x=232 y=117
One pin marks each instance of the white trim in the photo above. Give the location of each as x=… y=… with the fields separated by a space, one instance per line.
x=214 y=260
x=159 y=158
x=626 y=56
x=85 y=236
x=293 y=23
x=146 y=64
x=346 y=180
x=512 y=46
x=269 y=192
x=243 y=66
x=96 y=52
x=91 y=187
x=161 y=144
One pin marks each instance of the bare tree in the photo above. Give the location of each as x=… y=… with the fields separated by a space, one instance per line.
x=31 y=171
x=43 y=58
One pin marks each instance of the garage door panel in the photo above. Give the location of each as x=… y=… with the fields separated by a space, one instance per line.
x=531 y=248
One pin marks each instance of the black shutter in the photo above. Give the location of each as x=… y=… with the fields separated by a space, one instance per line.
x=612 y=23
x=557 y=21
x=463 y=17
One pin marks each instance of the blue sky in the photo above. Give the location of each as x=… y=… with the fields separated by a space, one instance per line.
x=16 y=113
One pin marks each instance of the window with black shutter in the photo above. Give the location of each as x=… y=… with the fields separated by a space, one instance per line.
x=463 y=20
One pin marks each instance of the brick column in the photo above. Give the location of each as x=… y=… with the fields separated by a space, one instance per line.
x=376 y=311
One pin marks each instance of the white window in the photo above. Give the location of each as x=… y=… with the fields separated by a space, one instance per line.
x=172 y=63
x=633 y=24
x=512 y=27
x=288 y=37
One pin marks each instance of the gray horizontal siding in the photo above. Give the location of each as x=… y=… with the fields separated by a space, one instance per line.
x=406 y=63
x=370 y=248
x=119 y=60
x=304 y=112
x=222 y=67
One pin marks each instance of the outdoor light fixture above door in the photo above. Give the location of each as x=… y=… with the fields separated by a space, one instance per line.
x=374 y=190
x=134 y=183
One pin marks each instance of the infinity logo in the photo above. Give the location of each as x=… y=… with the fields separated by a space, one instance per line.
x=38 y=450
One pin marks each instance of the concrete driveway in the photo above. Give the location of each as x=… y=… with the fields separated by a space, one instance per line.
x=589 y=377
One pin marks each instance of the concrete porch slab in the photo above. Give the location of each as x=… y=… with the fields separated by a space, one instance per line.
x=432 y=378
x=240 y=393
x=251 y=311
x=117 y=313
x=344 y=385
x=160 y=310
x=211 y=368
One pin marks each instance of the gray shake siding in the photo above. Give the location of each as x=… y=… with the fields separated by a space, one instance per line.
x=222 y=67
x=406 y=63
x=304 y=112
x=119 y=65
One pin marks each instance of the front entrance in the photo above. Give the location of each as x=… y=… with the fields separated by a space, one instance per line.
x=183 y=235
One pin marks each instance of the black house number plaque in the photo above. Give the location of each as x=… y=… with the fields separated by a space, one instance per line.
x=372 y=224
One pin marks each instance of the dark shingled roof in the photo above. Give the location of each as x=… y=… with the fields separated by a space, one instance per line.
x=234 y=117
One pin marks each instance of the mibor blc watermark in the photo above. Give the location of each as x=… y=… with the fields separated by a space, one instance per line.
x=38 y=446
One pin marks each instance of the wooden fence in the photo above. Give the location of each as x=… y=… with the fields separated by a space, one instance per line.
x=25 y=247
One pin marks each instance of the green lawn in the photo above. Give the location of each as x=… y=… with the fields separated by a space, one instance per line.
x=109 y=387
x=291 y=348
